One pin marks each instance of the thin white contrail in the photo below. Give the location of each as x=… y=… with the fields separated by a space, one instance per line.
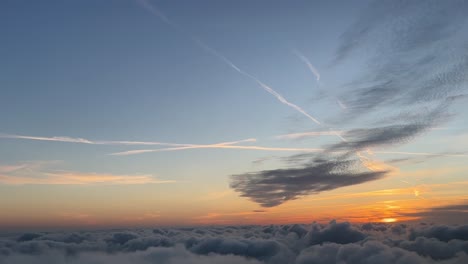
x=125 y=143
x=308 y=63
x=171 y=146
x=58 y=139
x=221 y=145
x=315 y=72
x=317 y=75
x=330 y=132
x=218 y=55
x=216 y=146
x=152 y=9
x=421 y=154
x=265 y=87
x=308 y=134
x=284 y=101
x=341 y=104
x=227 y=61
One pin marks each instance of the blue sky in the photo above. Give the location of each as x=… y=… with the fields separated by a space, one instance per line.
x=113 y=71
x=133 y=71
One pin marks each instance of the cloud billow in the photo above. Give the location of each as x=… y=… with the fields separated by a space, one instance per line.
x=275 y=244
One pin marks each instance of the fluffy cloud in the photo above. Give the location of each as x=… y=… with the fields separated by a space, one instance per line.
x=340 y=233
x=175 y=255
x=442 y=232
x=368 y=252
x=275 y=244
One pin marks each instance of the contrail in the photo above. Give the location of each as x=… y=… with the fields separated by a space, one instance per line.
x=317 y=75
x=169 y=146
x=215 y=146
x=284 y=101
x=341 y=104
x=58 y=139
x=308 y=63
x=218 y=55
x=421 y=154
x=221 y=145
x=265 y=87
x=148 y=6
x=226 y=145
x=125 y=143
x=308 y=134
x=228 y=62
x=365 y=162
x=152 y=9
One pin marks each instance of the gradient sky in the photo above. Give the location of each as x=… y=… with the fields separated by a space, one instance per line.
x=269 y=111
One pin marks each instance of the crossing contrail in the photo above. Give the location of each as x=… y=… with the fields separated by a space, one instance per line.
x=216 y=146
x=227 y=61
x=113 y=142
x=152 y=9
x=264 y=86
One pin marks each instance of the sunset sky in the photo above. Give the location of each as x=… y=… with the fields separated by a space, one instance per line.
x=139 y=113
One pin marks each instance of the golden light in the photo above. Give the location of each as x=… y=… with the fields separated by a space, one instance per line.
x=389 y=220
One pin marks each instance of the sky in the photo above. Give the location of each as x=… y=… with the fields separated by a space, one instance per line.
x=142 y=113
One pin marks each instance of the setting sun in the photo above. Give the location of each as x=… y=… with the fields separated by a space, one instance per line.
x=389 y=220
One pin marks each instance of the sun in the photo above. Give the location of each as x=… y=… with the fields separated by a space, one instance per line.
x=389 y=220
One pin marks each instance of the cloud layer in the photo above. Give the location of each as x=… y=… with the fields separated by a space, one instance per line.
x=275 y=244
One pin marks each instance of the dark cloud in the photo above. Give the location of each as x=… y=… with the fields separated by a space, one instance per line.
x=374 y=227
x=434 y=248
x=403 y=130
x=28 y=237
x=407 y=55
x=444 y=84
x=121 y=238
x=339 y=233
x=299 y=230
x=414 y=68
x=274 y=244
x=442 y=233
x=415 y=52
x=144 y=243
x=421 y=159
x=399 y=229
x=273 y=187
x=362 y=100
x=359 y=139
x=404 y=25
x=368 y=252
x=444 y=214
x=264 y=250
x=66 y=238
x=175 y=255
